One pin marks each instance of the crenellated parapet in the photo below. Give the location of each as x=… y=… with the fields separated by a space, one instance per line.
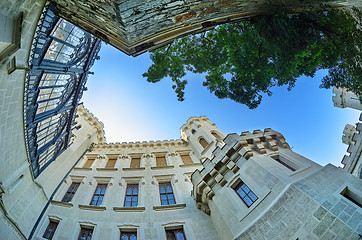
x=139 y=144
x=228 y=158
x=353 y=161
x=93 y=121
x=343 y=98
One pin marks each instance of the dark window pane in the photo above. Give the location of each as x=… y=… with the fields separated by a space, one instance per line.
x=164 y=202
x=245 y=188
x=252 y=196
x=171 y=201
x=98 y=194
x=131 y=198
x=70 y=193
x=85 y=234
x=245 y=194
x=49 y=232
x=169 y=189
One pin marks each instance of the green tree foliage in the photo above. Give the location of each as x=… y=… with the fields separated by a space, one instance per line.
x=243 y=60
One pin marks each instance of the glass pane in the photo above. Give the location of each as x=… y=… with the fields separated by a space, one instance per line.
x=171 y=201
x=134 y=204
x=135 y=191
x=179 y=235
x=129 y=191
x=164 y=202
x=247 y=201
x=245 y=188
x=133 y=237
x=241 y=193
x=134 y=199
x=100 y=200
x=128 y=199
x=124 y=237
x=169 y=189
x=162 y=190
x=103 y=190
x=252 y=196
x=163 y=197
x=127 y=204
x=98 y=190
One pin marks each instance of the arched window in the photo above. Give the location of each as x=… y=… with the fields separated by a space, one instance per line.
x=193 y=131
x=216 y=135
x=203 y=142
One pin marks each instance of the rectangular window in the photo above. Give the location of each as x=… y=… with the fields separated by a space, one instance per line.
x=129 y=235
x=277 y=158
x=131 y=199
x=166 y=194
x=85 y=234
x=175 y=234
x=70 y=193
x=186 y=159
x=161 y=161
x=98 y=195
x=245 y=193
x=49 y=232
x=111 y=163
x=135 y=162
x=88 y=163
x=352 y=196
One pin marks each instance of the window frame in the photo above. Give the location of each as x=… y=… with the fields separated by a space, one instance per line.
x=238 y=186
x=51 y=221
x=70 y=191
x=128 y=232
x=84 y=228
x=160 y=184
x=98 y=195
x=173 y=230
x=132 y=195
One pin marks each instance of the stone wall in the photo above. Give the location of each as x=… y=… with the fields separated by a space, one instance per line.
x=296 y=215
x=135 y=26
x=21 y=198
x=149 y=218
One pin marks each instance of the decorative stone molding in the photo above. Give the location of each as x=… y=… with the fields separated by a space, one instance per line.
x=91 y=207
x=129 y=209
x=62 y=204
x=169 y=207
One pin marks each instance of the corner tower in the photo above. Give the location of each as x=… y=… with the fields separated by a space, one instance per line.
x=202 y=135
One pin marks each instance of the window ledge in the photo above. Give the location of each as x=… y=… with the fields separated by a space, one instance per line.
x=90 y=207
x=190 y=164
x=169 y=207
x=299 y=170
x=133 y=169
x=62 y=204
x=83 y=169
x=129 y=209
x=207 y=147
x=163 y=167
x=106 y=169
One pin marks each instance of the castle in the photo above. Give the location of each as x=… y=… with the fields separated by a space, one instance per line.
x=59 y=179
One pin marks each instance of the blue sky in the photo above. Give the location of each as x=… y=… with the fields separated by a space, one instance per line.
x=134 y=110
